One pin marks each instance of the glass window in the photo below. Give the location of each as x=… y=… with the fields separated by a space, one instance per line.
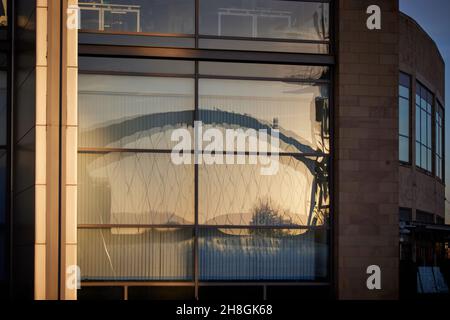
x=263 y=254
x=155 y=16
x=269 y=19
x=239 y=195
x=279 y=26
x=256 y=25
x=270 y=71
x=439 y=147
x=133 y=112
x=137 y=209
x=135 y=189
x=424 y=147
x=404 y=118
x=147 y=67
x=298 y=110
x=135 y=254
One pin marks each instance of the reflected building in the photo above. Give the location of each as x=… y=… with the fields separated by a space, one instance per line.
x=86 y=150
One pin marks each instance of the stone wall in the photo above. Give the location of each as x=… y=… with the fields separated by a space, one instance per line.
x=366 y=145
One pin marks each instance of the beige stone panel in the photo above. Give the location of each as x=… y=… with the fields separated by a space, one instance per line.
x=41 y=215
x=39 y=271
x=41 y=95
x=41 y=36
x=41 y=155
x=71 y=214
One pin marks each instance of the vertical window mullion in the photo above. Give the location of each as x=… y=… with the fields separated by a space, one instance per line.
x=405 y=144
x=196 y=177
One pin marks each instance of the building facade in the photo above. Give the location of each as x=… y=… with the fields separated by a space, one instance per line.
x=97 y=94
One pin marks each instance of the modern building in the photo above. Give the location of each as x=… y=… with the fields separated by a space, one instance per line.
x=94 y=94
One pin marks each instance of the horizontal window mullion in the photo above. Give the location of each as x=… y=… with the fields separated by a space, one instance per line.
x=122 y=150
x=142 y=34
x=256 y=39
x=134 y=226
x=190 y=226
x=167 y=151
x=88 y=50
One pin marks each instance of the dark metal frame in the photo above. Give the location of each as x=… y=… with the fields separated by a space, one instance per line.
x=438 y=107
x=418 y=166
x=196 y=55
x=410 y=123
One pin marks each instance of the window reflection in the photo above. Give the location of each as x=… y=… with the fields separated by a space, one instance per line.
x=299 y=111
x=265 y=19
x=135 y=254
x=133 y=112
x=262 y=254
x=404 y=117
x=236 y=194
x=136 y=208
x=424 y=107
x=134 y=189
x=154 y=16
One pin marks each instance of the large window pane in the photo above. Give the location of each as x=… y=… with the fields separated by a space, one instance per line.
x=404 y=117
x=418 y=154
x=135 y=254
x=257 y=70
x=297 y=194
x=133 y=111
x=147 y=67
x=265 y=19
x=404 y=149
x=134 y=189
x=263 y=254
x=137 y=209
x=155 y=16
x=424 y=129
x=300 y=111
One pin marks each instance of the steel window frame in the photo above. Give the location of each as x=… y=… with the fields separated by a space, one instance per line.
x=196 y=227
x=198 y=55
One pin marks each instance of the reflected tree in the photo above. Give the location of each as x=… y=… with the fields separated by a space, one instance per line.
x=265 y=213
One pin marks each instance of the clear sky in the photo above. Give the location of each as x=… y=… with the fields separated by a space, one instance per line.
x=433 y=16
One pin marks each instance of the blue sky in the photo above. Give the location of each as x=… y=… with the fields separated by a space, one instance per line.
x=433 y=16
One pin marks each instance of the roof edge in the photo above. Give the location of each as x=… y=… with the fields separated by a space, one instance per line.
x=409 y=18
